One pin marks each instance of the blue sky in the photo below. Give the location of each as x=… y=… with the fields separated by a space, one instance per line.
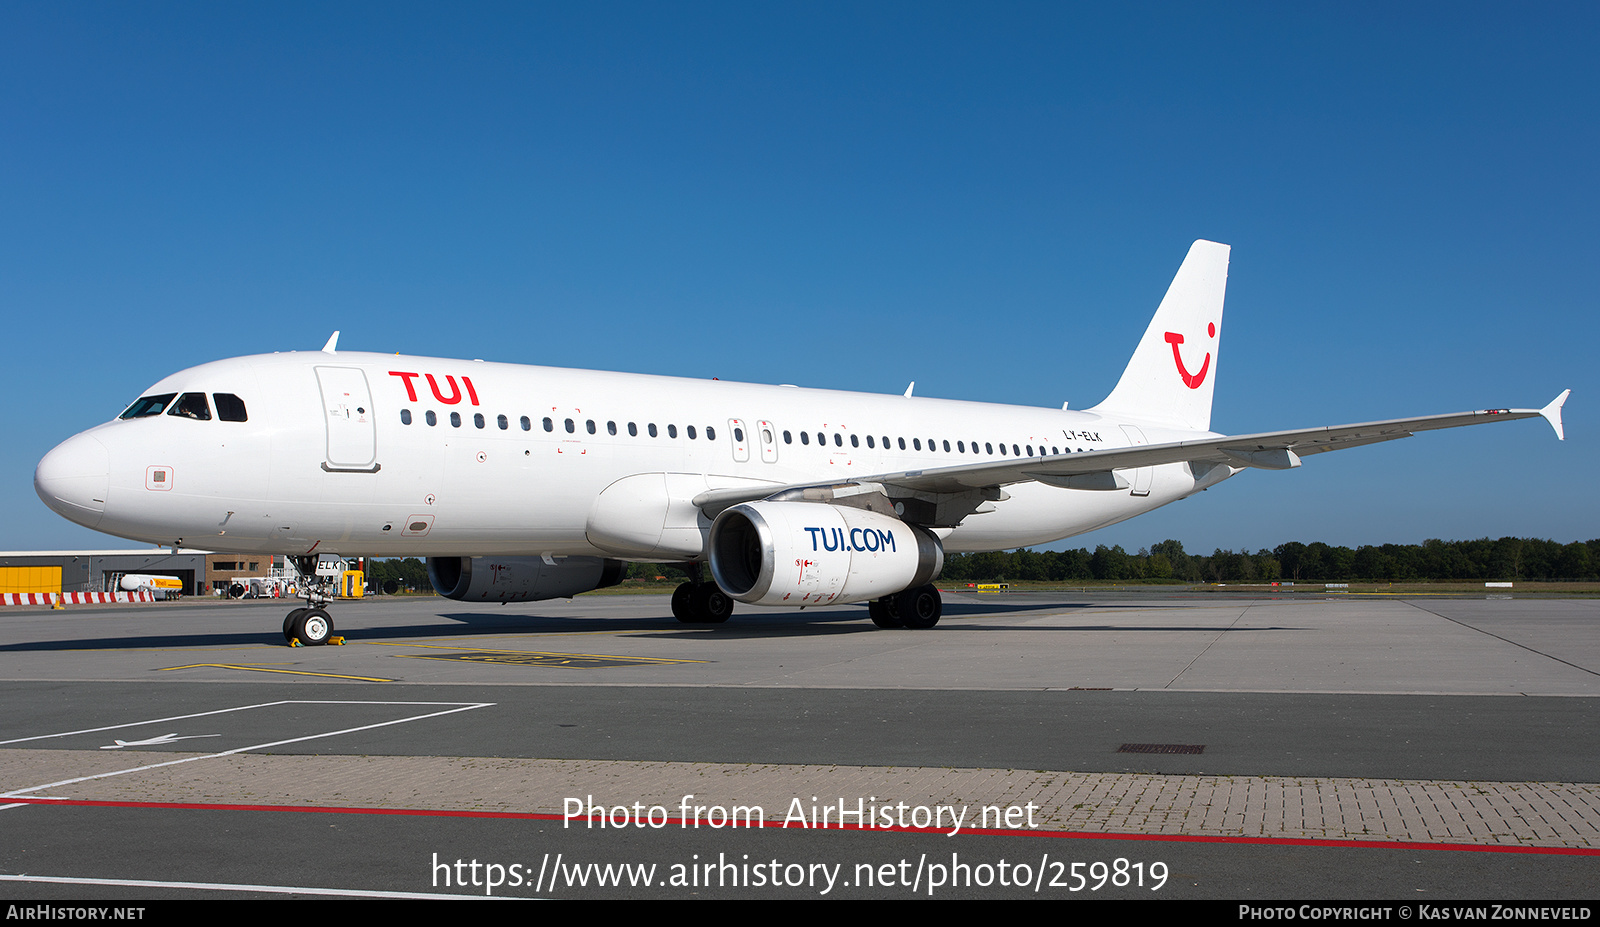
x=988 y=199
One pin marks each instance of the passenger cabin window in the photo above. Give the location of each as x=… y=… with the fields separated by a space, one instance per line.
x=405 y=416
x=230 y=408
x=192 y=405
x=146 y=406
x=455 y=419
x=430 y=417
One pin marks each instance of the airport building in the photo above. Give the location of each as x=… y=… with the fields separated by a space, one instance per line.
x=201 y=572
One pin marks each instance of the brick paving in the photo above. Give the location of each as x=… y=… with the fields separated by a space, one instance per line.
x=1543 y=814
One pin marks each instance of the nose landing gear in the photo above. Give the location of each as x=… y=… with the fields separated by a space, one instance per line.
x=311 y=626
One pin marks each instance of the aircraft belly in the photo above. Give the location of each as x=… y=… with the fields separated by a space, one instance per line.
x=1040 y=514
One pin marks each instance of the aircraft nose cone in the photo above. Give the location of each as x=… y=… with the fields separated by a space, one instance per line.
x=73 y=479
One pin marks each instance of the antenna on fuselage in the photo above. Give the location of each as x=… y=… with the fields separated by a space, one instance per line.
x=333 y=341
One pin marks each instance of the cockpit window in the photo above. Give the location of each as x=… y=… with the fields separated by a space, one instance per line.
x=147 y=406
x=230 y=408
x=191 y=405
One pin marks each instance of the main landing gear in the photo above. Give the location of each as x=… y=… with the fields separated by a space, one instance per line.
x=916 y=608
x=701 y=603
x=311 y=626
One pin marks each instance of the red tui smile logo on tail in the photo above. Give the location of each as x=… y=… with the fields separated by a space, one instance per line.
x=1191 y=380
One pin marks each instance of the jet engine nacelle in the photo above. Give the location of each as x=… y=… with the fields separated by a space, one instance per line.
x=806 y=553
x=520 y=579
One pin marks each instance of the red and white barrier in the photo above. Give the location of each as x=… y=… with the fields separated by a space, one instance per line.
x=73 y=598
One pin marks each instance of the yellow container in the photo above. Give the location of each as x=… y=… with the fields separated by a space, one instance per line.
x=30 y=579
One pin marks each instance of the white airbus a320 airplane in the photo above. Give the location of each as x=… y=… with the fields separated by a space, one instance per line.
x=520 y=483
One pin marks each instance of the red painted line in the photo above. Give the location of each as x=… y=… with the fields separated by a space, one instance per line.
x=986 y=832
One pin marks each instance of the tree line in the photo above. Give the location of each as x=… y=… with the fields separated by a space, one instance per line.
x=1506 y=559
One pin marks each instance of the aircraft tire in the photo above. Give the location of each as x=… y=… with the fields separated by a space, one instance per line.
x=314 y=627
x=683 y=603
x=711 y=604
x=289 y=622
x=883 y=612
x=920 y=607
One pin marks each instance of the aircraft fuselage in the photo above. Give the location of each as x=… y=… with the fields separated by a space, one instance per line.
x=386 y=455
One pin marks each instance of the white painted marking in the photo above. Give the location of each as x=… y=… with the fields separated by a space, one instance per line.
x=246 y=887
x=462 y=706
x=219 y=711
x=163 y=739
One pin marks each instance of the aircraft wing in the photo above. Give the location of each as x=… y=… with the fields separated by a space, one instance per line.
x=1272 y=450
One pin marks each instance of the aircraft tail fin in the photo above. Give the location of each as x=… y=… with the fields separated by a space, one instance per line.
x=1171 y=375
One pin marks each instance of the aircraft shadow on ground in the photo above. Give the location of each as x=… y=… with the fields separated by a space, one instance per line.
x=748 y=623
